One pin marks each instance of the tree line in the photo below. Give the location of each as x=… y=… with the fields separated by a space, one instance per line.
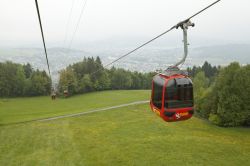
x=223 y=95
x=22 y=80
x=80 y=78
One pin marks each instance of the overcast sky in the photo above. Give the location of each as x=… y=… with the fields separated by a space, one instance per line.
x=111 y=19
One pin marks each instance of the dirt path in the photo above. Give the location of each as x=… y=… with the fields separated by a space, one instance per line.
x=92 y=111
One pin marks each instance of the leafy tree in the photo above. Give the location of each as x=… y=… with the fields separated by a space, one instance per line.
x=104 y=81
x=200 y=85
x=68 y=81
x=136 y=80
x=86 y=84
x=39 y=84
x=209 y=70
x=233 y=92
x=27 y=70
x=121 y=79
x=12 y=79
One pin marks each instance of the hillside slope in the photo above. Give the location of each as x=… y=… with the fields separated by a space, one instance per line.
x=126 y=136
x=129 y=136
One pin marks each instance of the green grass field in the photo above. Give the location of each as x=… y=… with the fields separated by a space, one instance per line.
x=24 y=109
x=126 y=136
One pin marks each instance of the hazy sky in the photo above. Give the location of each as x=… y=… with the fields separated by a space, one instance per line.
x=111 y=19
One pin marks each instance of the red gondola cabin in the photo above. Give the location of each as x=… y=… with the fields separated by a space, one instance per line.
x=172 y=95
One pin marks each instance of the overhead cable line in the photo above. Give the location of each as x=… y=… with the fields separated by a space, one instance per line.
x=78 y=23
x=175 y=26
x=44 y=46
x=68 y=22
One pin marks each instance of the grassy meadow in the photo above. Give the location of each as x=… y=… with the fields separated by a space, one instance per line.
x=14 y=110
x=130 y=135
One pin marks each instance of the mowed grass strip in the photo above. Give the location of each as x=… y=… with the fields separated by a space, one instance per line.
x=15 y=110
x=126 y=136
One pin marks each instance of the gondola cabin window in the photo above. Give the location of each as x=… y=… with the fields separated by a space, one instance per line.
x=158 y=91
x=179 y=93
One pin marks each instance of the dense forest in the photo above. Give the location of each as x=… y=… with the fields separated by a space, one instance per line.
x=80 y=78
x=22 y=80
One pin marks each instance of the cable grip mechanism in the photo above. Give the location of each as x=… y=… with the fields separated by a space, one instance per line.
x=184 y=26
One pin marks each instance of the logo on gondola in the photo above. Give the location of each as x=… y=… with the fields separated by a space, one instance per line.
x=178 y=116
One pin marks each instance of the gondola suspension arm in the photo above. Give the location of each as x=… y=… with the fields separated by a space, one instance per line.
x=184 y=26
